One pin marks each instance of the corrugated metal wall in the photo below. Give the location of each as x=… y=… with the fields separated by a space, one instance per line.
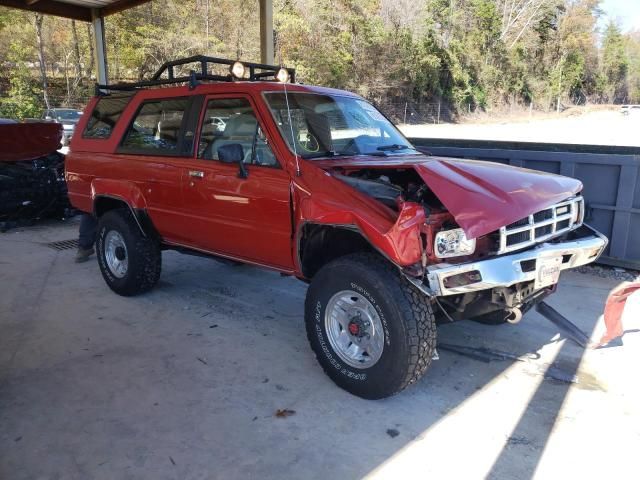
x=611 y=178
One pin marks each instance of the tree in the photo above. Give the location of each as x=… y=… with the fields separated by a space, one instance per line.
x=633 y=55
x=467 y=54
x=23 y=99
x=38 y=19
x=614 y=64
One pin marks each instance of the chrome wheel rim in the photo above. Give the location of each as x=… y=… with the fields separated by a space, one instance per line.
x=354 y=329
x=115 y=254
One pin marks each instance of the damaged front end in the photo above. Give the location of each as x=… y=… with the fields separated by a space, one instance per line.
x=485 y=246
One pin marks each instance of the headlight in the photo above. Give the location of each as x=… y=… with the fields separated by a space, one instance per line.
x=453 y=243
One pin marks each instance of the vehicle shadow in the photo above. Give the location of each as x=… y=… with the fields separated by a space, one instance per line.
x=452 y=382
x=187 y=380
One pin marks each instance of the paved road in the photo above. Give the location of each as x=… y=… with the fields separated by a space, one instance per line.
x=596 y=128
x=184 y=383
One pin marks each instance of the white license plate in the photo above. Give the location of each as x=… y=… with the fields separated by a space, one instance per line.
x=547 y=272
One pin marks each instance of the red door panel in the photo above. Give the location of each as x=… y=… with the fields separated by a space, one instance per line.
x=245 y=218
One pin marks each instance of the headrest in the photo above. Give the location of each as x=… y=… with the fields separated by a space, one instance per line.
x=241 y=125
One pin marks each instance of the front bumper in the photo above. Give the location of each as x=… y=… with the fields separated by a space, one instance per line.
x=585 y=246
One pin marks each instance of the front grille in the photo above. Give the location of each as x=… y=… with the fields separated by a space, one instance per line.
x=542 y=225
x=517 y=238
x=543 y=231
x=543 y=215
x=519 y=223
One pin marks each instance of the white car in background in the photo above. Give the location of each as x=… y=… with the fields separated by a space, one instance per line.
x=630 y=109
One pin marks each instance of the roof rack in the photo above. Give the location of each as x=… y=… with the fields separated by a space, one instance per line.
x=257 y=71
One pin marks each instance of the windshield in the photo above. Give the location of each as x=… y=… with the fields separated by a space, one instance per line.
x=327 y=125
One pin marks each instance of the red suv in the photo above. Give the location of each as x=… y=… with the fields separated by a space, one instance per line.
x=317 y=183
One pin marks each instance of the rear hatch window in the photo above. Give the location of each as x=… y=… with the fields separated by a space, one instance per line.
x=105 y=115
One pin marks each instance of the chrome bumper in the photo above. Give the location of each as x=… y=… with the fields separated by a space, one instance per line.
x=507 y=270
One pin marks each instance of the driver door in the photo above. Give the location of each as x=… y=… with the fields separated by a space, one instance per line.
x=244 y=218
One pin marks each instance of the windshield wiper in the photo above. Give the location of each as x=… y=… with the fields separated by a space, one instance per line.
x=394 y=146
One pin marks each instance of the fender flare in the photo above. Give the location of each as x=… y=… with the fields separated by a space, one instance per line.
x=130 y=195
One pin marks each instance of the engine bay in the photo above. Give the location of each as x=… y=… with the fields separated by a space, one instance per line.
x=390 y=184
x=395 y=186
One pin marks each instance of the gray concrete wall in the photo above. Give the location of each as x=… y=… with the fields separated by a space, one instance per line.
x=610 y=176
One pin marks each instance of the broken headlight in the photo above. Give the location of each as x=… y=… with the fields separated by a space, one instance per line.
x=453 y=243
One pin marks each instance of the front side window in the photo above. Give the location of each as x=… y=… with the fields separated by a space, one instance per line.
x=328 y=125
x=232 y=121
x=104 y=116
x=156 y=128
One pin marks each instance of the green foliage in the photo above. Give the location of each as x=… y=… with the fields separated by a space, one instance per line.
x=633 y=54
x=24 y=95
x=470 y=54
x=615 y=64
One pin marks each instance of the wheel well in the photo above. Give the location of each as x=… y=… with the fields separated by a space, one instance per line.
x=320 y=244
x=102 y=205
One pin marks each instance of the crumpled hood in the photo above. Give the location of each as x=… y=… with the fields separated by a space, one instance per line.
x=481 y=196
x=484 y=196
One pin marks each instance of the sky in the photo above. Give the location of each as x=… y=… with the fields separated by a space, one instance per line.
x=625 y=12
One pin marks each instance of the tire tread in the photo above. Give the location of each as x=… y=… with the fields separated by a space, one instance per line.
x=416 y=309
x=145 y=252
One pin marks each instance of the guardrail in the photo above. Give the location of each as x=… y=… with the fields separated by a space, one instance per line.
x=611 y=178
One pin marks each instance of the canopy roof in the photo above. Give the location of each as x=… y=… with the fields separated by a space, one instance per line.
x=75 y=9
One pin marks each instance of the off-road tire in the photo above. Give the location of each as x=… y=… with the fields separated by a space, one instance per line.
x=407 y=317
x=144 y=256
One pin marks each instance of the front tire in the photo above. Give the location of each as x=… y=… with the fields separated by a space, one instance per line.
x=130 y=262
x=372 y=332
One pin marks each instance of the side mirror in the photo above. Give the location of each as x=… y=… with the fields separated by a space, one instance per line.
x=233 y=153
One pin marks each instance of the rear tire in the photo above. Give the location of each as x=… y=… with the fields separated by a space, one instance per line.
x=130 y=262
x=372 y=332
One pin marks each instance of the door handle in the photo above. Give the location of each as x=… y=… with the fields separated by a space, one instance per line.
x=196 y=173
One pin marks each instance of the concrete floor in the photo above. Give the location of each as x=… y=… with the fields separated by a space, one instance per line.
x=184 y=383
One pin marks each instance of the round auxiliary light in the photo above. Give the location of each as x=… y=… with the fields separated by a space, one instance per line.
x=238 y=69
x=283 y=75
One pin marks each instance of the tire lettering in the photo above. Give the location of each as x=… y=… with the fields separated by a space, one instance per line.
x=385 y=326
x=334 y=363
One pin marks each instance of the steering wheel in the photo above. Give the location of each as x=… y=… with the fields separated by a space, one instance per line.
x=310 y=143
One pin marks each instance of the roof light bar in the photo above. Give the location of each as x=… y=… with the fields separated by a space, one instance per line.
x=245 y=71
x=237 y=69
x=283 y=75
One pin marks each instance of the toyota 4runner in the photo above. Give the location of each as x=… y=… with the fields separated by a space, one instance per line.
x=316 y=183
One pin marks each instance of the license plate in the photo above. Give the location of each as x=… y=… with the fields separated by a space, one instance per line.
x=548 y=272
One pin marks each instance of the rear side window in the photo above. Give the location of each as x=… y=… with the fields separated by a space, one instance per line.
x=104 y=116
x=156 y=128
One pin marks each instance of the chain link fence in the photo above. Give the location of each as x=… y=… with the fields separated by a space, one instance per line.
x=400 y=112
x=416 y=113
